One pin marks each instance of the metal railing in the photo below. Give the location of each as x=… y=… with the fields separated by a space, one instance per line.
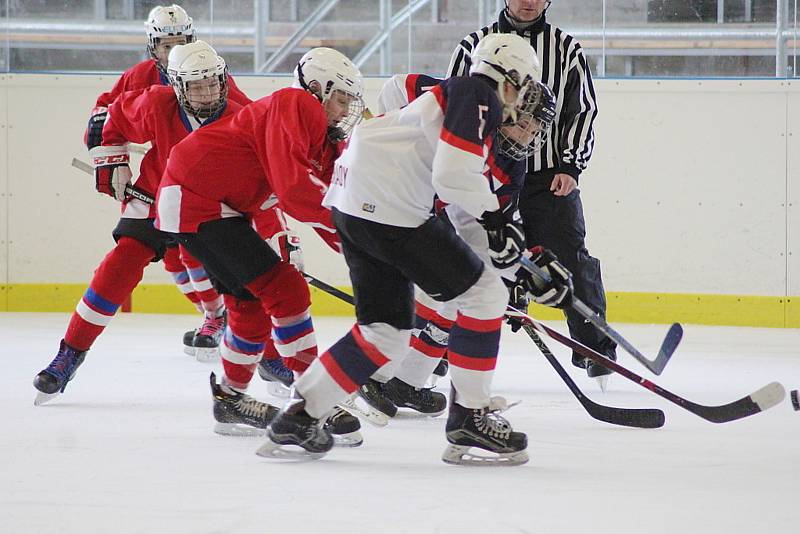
x=778 y=39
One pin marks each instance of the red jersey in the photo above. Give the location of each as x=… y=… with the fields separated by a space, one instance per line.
x=274 y=152
x=151 y=115
x=146 y=73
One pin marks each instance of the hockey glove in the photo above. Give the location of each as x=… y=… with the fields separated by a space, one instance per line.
x=506 y=236
x=94 y=131
x=287 y=245
x=518 y=298
x=555 y=292
x=111 y=170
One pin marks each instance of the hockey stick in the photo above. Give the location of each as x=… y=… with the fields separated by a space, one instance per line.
x=634 y=417
x=130 y=190
x=641 y=418
x=668 y=346
x=758 y=401
x=329 y=289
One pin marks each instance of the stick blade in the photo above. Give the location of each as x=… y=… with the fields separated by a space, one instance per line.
x=758 y=401
x=631 y=417
x=668 y=346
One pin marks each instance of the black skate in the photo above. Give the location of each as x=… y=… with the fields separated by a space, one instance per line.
x=239 y=414
x=599 y=372
x=279 y=378
x=442 y=367
x=370 y=403
x=209 y=336
x=422 y=400
x=52 y=381
x=344 y=427
x=188 y=342
x=485 y=429
x=294 y=428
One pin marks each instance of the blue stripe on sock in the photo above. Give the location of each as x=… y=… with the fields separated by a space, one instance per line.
x=240 y=345
x=474 y=344
x=287 y=332
x=99 y=302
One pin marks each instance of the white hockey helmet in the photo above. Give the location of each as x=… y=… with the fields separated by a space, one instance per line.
x=507 y=57
x=324 y=71
x=195 y=62
x=167 y=21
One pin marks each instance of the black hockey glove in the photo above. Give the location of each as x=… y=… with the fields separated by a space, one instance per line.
x=94 y=131
x=555 y=292
x=518 y=298
x=506 y=236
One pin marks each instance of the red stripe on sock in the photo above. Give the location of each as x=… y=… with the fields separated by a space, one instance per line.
x=479 y=325
x=472 y=364
x=370 y=350
x=336 y=372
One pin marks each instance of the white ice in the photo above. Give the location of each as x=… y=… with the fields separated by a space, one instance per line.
x=129 y=447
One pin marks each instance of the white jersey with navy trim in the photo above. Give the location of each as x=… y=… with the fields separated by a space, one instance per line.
x=395 y=164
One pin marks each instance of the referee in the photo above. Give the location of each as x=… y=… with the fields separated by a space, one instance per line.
x=550 y=201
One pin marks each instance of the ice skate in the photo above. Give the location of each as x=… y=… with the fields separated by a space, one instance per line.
x=295 y=435
x=239 y=414
x=344 y=427
x=441 y=371
x=422 y=400
x=600 y=373
x=483 y=429
x=356 y=405
x=279 y=378
x=188 y=342
x=52 y=381
x=209 y=336
x=373 y=393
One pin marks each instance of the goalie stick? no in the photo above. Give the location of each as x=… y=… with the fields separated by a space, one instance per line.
x=639 y=418
x=758 y=401
x=668 y=346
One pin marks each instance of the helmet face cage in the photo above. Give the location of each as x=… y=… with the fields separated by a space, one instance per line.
x=180 y=82
x=203 y=111
x=527 y=133
x=346 y=125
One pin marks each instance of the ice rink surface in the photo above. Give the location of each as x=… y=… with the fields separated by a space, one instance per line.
x=129 y=447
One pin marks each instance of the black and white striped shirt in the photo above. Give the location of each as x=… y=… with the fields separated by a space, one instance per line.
x=565 y=70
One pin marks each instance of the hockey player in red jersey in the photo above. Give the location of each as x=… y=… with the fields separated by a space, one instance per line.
x=382 y=197
x=167 y=27
x=276 y=152
x=162 y=116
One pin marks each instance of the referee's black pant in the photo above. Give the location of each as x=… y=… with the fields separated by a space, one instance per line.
x=557 y=223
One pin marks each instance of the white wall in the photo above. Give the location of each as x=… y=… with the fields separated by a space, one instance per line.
x=692 y=187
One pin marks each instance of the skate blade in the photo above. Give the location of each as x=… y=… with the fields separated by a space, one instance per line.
x=463 y=455
x=365 y=411
x=238 y=430
x=189 y=350
x=352 y=439
x=277 y=389
x=44 y=398
x=205 y=355
x=603 y=381
x=270 y=449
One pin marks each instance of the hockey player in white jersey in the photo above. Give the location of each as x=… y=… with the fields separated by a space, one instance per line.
x=401 y=384
x=382 y=197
